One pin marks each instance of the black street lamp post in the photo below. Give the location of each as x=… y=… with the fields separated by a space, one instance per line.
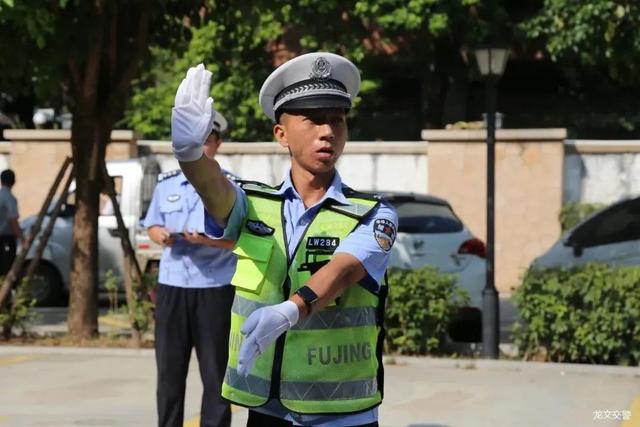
x=491 y=63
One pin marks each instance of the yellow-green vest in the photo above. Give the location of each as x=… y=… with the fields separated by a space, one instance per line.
x=330 y=362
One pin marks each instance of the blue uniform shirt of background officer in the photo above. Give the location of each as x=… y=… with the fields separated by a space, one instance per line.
x=194 y=298
x=175 y=220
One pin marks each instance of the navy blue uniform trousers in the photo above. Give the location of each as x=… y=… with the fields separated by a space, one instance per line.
x=188 y=318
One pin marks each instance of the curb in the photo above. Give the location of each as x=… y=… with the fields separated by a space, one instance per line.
x=511 y=365
x=97 y=351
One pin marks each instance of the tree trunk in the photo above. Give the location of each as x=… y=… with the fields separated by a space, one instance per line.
x=89 y=139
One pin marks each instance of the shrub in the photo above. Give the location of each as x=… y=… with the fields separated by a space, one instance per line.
x=573 y=213
x=111 y=284
x=420 y=305
x=586 y=314
x=17 y=311
x=144 y=307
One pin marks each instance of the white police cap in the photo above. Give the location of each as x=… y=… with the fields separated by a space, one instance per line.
x=313 y=80
x=220 y=124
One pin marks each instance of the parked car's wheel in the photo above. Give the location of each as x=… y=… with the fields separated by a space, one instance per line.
x=46 y=287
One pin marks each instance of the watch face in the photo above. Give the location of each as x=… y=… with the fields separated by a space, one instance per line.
x=307 y=295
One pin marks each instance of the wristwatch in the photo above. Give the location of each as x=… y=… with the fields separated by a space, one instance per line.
x=308 y=296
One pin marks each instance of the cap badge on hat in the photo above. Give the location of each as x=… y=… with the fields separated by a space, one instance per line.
x=321 y=69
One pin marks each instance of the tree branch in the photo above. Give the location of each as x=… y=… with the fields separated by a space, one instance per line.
x=92 y=68
x=76 y=78
x=124 y=80
x=113 y=42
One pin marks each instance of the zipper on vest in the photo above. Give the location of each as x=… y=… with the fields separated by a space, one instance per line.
x=276 y=370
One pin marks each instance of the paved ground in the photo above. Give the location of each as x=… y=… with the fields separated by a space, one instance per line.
x=111 y=387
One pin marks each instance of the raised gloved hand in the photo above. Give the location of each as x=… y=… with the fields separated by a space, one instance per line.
x=192 y=115
x=262 y=328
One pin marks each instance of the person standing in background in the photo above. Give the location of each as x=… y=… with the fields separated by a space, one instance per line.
x=193 y=300
x=10 y=232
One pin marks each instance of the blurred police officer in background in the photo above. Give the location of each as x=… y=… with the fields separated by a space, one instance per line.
x=306 y=322
x=10 y=231
x=193 y=295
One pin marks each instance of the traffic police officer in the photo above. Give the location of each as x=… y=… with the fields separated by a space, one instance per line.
x=305 y=342
x=193 y=296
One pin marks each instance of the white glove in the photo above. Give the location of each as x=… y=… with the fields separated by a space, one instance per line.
x=192 y=115
x=262 y=328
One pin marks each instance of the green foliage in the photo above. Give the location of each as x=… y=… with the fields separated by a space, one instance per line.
x=595 y=33
x=143 y=307
x=18 y=312
x=431 y=18
x=586 y=314
x=573 y=213
x=231 y=44
x=420 y=306
x=240 y=43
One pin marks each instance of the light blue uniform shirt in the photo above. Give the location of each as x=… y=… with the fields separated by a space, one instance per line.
x=176 y=206
x=361 y=243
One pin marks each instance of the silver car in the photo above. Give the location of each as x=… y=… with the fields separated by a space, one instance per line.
x=430 y=233
x=610 y=236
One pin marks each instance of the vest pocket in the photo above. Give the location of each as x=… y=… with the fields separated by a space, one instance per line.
x=253 y=260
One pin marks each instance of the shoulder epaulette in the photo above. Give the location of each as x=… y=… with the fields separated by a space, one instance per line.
x=356 y=209
x=351 y=193
x=230 y=176
x=169 y=174
x=257 y=187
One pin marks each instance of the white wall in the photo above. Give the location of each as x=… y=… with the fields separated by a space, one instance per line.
x=4 y=162
x=383 y=166
x=595 y=173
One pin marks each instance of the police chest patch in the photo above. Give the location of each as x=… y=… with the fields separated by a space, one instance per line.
x=259 y=228
x=384 y=231
x=323 y=243
x=173 y=198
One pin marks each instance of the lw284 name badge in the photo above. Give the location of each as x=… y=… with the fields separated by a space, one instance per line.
x=323 y=243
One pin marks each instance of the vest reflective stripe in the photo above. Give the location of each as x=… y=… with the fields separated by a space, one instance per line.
x=300 y=390
x=345 y=318
x=244 y=307
x=358 y=389
x=250 y=383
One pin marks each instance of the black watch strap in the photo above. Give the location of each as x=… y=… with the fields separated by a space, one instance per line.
x=308 y=296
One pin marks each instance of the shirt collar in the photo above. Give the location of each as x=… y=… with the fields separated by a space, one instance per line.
x=334 y=191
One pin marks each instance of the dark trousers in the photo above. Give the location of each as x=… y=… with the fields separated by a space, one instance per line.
x=8 y=245
x=187 y=318
x=256 y=419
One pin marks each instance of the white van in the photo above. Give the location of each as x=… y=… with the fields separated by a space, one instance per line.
x=135 y=180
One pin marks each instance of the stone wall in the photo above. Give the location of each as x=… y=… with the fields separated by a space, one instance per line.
x=529 y=173
x=36 y=157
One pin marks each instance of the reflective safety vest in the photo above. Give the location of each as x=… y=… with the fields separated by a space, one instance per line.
x=330 y=362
